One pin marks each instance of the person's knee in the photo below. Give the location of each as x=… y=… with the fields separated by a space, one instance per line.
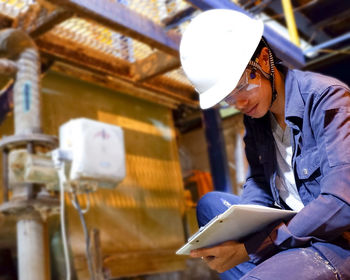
x=207 y=199
x=204 y=208
x=212 y=204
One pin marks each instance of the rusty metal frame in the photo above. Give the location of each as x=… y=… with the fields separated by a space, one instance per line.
x=5 y=21
x=144 y=76
x=50 y=21
x=65 y=51
x=155 y=64
x=127 y=22
x=119 y=18
x=114 y=84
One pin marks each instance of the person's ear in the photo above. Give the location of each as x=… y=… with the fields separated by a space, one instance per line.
x=264 y=60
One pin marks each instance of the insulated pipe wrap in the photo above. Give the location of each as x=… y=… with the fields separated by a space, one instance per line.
x=26 y=93
x=18 y=46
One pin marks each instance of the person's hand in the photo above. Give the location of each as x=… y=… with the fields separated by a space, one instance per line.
x=223 y=256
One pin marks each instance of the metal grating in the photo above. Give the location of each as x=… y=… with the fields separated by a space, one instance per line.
x=12 y=8
x=98 y=37
x=77 y=32
x=155 y=10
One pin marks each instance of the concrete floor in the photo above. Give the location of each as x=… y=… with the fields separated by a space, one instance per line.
x=196 y=270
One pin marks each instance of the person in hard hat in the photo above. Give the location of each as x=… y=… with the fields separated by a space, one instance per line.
x=297 y=144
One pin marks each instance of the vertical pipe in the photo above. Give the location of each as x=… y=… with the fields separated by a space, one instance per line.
x=289 y=15
x=217 y=150
x=30 y=248
x=5 y=174
x=30 y=186
x=26 y=93
x=17 y=45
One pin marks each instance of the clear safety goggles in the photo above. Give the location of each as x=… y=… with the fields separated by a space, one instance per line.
x=248 y=84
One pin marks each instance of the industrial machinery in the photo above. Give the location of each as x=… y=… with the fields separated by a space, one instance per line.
x=90 y=154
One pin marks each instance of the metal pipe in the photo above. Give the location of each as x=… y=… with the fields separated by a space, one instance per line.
x=289 y=15
x=26 y=94
x=5 y=174
x=7 y=67
x=30 y=186
x=17 y=45
x=30 y=248
x=327 y=44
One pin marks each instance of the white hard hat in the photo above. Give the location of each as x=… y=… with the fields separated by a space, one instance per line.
x=215 y=50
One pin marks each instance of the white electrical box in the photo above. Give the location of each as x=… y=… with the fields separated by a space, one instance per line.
x=97 y=150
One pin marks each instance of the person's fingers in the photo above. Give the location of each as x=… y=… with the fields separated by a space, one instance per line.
x=215 y=264
x=204 y=252
x=195 y=254
x=208 y=259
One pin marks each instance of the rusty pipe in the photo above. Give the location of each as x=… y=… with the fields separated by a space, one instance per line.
x=16 y=45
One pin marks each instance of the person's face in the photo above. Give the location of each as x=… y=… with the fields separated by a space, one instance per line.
x=252 y=96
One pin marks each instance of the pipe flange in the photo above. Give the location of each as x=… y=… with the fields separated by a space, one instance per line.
x=45 y=206
x=14 y=141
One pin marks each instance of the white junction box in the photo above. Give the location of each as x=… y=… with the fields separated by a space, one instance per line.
x=97 y=150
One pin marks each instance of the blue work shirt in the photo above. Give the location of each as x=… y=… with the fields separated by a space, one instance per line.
x=317 y=110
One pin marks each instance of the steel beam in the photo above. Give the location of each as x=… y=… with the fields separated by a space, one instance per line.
x=5 y=21
x=112 y=66
x=50 y=21
x=113 y=83
x=155 y=64
x=327 y=44
x=304 y=24
x=179 y=17
x=285 y=50
x=123 y=20
x=65 y=49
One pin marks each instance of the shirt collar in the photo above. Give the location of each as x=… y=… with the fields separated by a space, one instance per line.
x=294 y=103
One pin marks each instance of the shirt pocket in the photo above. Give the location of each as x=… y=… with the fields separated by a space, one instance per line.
x=307 y=163
x=337 y=136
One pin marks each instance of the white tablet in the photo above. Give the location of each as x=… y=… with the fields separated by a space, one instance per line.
x=236 y=222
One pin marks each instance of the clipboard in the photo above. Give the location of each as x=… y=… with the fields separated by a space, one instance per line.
x=236 y=222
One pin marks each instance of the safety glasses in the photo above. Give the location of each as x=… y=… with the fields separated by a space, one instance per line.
x=249 y=83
